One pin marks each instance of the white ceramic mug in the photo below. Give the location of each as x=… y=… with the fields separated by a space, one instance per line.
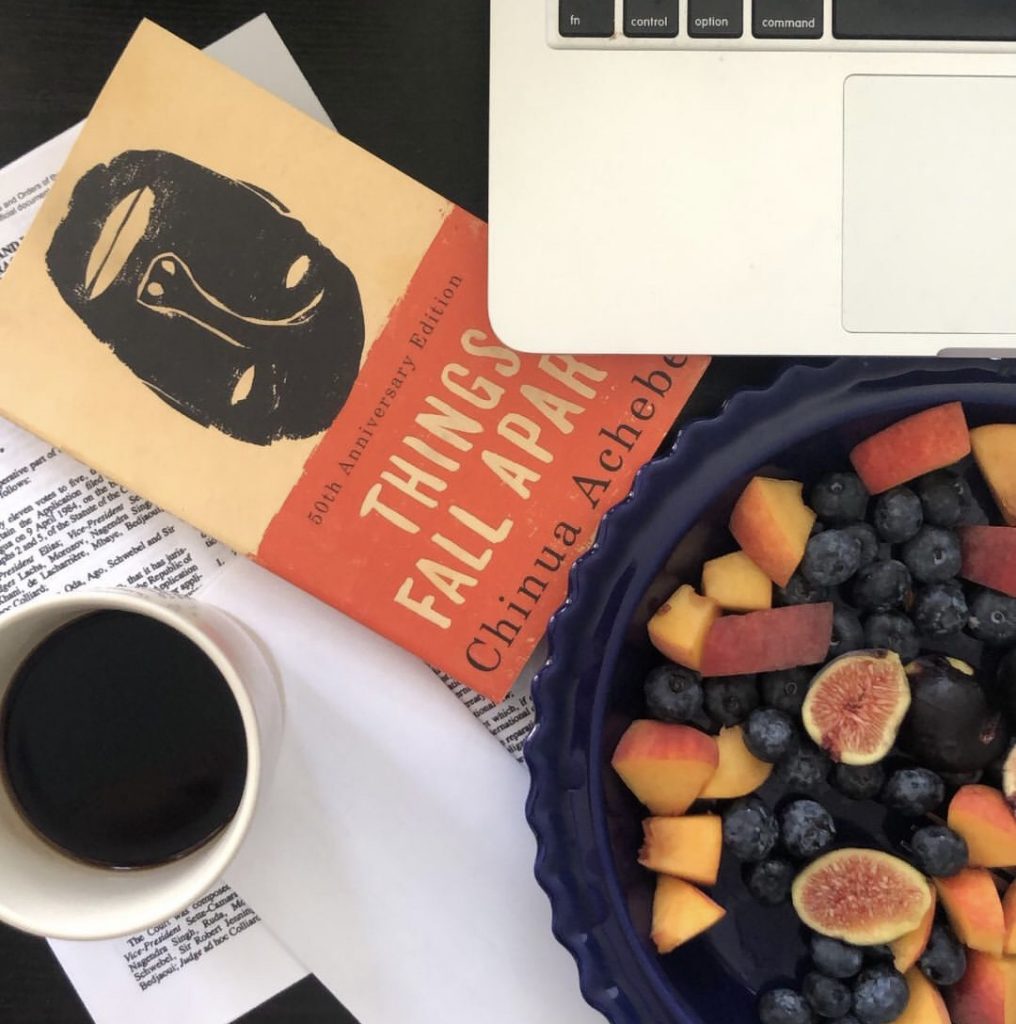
x=49 y=893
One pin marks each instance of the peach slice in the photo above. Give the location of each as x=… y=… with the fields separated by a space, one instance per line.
x=736 y=583
x=772 y=524
x=908 y=948
x=912 y=446
x=926 y=1005
x=739 y=772
x=985 y=820
x=680 y=912
x=767 y=641
x=687 y=847
x=974 y=908
x=679 y=627
x=995 y=451
x=986 y=994
x=989 y=557
x=664 y=765
x=1009 y=914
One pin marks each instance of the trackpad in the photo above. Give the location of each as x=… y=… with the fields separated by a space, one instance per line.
x=929 y=220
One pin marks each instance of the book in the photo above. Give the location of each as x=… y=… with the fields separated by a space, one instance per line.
x=270 y=332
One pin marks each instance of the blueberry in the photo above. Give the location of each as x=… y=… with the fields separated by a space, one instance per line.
x=881 y=586
x=731 y=699
x=835 y=958
x=784 y=1006
x=898 y=516
x=749 y=829
x=1005 y=683
x=865 y=535
x=993 y=617
x=972 y=777
x=944 y=960
x=785 y=690
x=892 y=631
x=839 y=498
x=974 y=514
x=880 y=954
x=944 y=497
x=933 y=556
x=704 y=723
x=770 y=880
x=880 y=995
x=940 y=609
x=913 y=792
x=831 y=558
x=858 y=781
x=673 y=693
x=803 y=770
x=848 y=633
x=938 y=851
x=799 y=590
x=808 y=829
x=849 y=1019
x=827 y=996
x=769 y=734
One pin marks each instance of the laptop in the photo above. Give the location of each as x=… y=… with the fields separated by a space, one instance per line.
x=754 y=176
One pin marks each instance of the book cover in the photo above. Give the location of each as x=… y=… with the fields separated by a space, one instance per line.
x=275 y=335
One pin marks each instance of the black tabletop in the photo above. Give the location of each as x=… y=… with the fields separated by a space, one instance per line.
x=406 y=79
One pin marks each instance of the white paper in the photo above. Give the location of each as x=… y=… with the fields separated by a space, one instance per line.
x=391 y=853
x=176 y=974
x=63 y=526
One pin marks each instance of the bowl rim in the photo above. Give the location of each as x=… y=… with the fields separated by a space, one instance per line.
x=618 y=975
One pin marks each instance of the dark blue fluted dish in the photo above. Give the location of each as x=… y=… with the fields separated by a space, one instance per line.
x=588 y=827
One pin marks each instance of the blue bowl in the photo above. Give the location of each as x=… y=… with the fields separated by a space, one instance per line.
x=587 y=825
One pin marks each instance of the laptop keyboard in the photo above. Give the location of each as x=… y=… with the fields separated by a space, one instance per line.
x=756 y=23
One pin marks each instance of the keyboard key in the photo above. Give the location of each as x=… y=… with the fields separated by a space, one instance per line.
x=789 y=19
x=586 y=18
x=925 y=19
x=715 y=19
x=644 y=19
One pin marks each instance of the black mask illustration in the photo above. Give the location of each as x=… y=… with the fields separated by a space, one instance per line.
x=212 y=294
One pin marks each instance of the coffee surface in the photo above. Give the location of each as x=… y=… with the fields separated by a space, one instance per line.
x=122 y=741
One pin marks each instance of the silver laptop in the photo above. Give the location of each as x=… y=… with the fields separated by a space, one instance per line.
x=753 y=176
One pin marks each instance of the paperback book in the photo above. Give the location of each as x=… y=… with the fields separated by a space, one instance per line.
x=263 y=328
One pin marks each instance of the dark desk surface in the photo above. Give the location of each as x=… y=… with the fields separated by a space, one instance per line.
x=406 y=79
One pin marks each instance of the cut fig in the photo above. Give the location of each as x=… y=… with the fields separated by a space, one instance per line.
x=951 y=726
x=855 y=706
x=864 y=897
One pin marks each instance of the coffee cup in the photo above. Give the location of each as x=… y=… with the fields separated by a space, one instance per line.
x=50 y=890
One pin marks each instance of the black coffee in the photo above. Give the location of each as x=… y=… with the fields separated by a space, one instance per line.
x=122 y=742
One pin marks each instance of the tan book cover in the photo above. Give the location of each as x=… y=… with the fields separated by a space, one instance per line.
x=275 y=335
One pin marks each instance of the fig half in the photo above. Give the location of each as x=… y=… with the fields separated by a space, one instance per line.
x=855 y=706
x=951 y=725
x=864 y=897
